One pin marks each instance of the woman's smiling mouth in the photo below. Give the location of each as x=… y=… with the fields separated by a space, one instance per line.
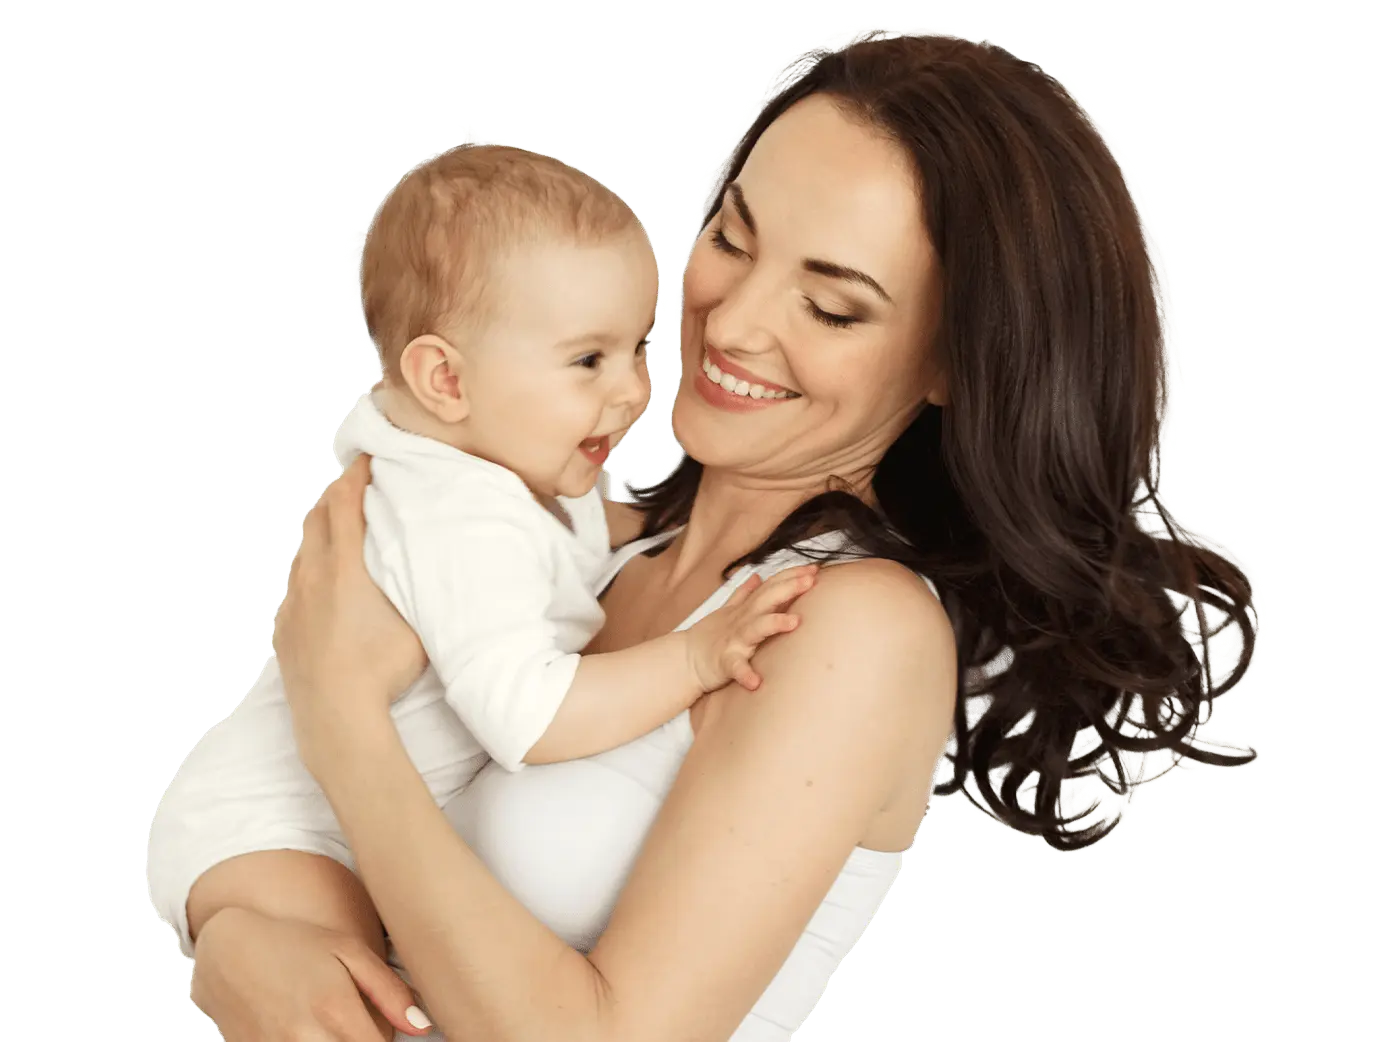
x=724 y=383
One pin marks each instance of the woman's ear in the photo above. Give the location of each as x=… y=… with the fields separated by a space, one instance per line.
x=937 y=384
x=432 y=370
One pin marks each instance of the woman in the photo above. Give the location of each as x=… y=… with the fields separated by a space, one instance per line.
x=927 y=243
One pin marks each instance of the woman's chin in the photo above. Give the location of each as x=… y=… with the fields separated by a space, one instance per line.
x=691 y=429
x=700 y=432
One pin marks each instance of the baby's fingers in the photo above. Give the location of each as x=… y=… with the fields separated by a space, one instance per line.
x=735 y=663
x=763 y=628
x=743 y=592
x=746 y=677
x=782 y=589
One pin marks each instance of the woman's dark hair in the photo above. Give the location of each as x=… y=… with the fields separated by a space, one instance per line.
x=1022 y=497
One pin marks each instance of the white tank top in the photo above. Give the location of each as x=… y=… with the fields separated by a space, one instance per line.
x=563 y=837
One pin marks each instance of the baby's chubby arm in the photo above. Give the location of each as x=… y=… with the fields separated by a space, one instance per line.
x=478 y=589
x=619 y=695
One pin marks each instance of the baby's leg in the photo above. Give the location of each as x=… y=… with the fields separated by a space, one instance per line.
x=242 y=789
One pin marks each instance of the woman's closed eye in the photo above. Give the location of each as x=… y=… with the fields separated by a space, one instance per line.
x=828 y=318
x=725 y=245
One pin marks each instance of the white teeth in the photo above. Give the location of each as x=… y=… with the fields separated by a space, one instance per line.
x=741 y=387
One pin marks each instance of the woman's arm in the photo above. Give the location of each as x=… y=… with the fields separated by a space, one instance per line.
x=775 y=793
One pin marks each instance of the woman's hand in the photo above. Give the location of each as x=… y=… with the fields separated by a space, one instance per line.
x=275 y=980
x=344 y=651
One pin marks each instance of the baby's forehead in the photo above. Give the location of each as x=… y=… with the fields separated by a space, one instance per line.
x=601 y=292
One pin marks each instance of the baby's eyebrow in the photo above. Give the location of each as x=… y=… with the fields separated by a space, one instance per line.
x=588 y=338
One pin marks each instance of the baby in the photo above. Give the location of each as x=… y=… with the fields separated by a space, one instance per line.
x=509 y=296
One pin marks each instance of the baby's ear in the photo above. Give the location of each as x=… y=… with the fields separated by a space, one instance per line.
x=431 y=369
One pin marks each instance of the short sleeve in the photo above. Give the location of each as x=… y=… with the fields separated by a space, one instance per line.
x=480 y=593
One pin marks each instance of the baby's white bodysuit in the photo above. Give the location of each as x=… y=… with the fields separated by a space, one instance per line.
x=501 y=593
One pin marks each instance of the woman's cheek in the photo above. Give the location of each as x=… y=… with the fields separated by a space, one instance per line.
x=703 y=281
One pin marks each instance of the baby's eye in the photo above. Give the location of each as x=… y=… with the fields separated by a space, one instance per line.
x=589 y=361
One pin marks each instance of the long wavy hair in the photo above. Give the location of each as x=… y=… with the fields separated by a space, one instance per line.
x=1023 y=497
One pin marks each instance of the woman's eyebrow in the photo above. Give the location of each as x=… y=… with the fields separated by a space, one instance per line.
x=838 y=271
x=742 y=208
x=817 y=267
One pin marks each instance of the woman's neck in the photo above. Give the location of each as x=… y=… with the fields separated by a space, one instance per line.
x=733 y=514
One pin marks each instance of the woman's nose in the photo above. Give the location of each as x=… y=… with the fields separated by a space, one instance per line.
x=742 y=321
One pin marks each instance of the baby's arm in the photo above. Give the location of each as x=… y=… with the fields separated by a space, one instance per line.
x=619 y=695
x=478 y=590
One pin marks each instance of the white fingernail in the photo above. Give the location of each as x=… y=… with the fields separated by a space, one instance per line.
x=417 y=1018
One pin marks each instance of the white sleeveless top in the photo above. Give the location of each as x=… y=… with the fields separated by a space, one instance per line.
x=563 y=837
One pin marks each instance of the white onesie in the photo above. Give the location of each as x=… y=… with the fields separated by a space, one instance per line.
x=502 y=595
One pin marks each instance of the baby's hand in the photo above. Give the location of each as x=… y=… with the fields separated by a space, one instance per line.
x=719 y=647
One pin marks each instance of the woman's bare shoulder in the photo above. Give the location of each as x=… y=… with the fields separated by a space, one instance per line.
x=872 y=641
x=880 y=599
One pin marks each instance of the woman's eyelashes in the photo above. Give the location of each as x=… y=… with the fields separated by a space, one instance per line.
x=828 y=318
x=724 y=244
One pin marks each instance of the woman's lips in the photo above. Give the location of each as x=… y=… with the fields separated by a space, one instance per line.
x=717 y=395
x=727 y=366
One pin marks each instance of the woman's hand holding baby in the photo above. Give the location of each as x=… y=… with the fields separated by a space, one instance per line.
x=344 y=651
x=261 y=979
x=720 y=645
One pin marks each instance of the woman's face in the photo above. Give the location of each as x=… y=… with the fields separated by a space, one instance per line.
x=815 y=287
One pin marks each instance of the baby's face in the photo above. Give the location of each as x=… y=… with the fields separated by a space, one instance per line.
x=559 y=375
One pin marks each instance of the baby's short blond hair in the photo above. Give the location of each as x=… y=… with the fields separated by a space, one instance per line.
x=434 y=244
